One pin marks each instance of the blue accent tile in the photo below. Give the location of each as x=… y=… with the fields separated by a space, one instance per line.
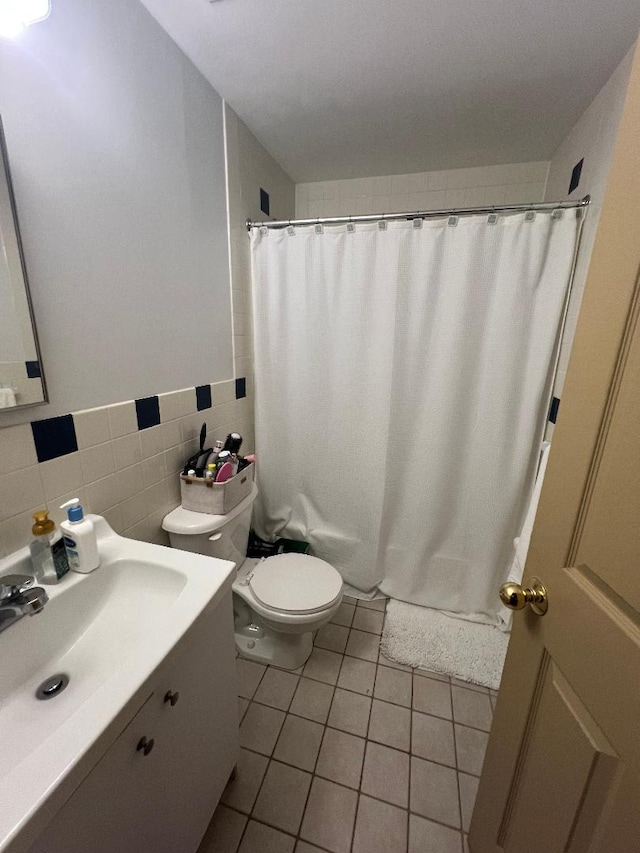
x=553 y=409
x=264 y=201
x=33 y=369
x=241 y=388
x=575 y=176
x=203 y=397
x=54 y=437
x=148 y=412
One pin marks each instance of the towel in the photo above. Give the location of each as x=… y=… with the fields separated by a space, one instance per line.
x=7 y=398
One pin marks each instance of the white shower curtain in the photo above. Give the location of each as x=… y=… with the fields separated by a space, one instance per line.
x=402 y=378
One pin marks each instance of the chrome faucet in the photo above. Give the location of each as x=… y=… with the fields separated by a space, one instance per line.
x=18 y=598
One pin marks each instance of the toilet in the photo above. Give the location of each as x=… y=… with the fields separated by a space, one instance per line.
x=278 y=602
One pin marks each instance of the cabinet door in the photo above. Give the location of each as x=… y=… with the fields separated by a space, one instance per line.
x=114 y=809
x=197 y=737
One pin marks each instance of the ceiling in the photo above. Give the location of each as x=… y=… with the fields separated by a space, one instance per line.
x=353 y=88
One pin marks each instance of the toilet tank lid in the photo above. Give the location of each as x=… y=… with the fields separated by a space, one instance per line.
x=189 y=523
x=295 y=583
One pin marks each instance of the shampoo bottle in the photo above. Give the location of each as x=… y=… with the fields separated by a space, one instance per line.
x=79 y=538
x=48 y=553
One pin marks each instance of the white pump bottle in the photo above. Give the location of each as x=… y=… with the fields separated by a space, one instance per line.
x=79 y=538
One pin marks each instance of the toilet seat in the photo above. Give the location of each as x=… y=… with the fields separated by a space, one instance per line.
x=295 y=584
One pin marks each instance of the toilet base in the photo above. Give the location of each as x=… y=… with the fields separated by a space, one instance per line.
x=287 y=651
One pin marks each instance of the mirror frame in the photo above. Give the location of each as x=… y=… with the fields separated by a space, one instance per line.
x=25 y=280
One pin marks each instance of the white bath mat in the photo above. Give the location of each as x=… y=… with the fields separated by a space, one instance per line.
x=419 y=636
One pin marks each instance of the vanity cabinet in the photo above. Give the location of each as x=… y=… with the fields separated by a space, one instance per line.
x=155 y=789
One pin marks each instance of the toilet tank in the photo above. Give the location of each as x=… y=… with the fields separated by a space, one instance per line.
x=222 y=536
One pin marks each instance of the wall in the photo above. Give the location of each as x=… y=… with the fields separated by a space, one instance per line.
x=508 y=184
x=592 y=139
x=122 y=459
x=117 y=156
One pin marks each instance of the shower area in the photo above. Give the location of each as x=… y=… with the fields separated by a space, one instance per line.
x=404 y=366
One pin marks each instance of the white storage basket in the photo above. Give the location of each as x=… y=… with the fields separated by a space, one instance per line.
x=200 y=495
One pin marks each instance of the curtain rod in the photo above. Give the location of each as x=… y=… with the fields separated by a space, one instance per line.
x=421 y=214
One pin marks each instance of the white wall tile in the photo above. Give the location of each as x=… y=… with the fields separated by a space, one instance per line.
x=17 y=449
x=177 y=404
x=21 y=490
x=123 y=419
x=61 y=475
x=151 y=441
x=153 y=469
x=92 y=426
x=97 y=462
x=127 y=450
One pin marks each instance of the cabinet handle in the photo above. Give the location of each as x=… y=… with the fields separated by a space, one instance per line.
x=145 y=745
x=171 y=698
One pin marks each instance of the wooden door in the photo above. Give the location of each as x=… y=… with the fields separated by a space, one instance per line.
x=562 y=770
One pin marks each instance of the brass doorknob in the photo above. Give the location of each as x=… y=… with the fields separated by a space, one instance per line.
x=515 y=597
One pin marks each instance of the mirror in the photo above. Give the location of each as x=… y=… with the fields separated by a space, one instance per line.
x=21 y=376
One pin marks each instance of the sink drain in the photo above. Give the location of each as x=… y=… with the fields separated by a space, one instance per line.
x=52 y=686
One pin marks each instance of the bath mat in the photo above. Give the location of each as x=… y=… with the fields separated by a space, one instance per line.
x=419 y=636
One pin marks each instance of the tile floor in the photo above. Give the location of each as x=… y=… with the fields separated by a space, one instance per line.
x=352 y=753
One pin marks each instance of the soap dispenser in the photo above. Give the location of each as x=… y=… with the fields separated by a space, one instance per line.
x=48 y=554
x=79 y=538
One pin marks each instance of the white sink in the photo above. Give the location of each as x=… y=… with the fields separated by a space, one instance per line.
x=107 y=631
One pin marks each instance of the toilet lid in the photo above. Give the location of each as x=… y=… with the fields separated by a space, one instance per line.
x=295 y=583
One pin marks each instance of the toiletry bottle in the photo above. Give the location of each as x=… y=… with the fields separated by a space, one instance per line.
x=213 y=456
x=48 y=553
x=210 y=473
x=79 y=539
x=233 y=442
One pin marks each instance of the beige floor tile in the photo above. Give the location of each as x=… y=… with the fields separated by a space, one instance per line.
x=224 y=832
x=427 y=673
x=386 y=774
x=432 y=697
x=375 y=604
x=466 y=844
x=312 y=700
x=357 y=675
x=432 y=738
x=390 y=725
x=249 y=675
x=380 y=828
x=242 y=791
x=259 y=838
x=468 y=791
x=323 y=665
x=243 y=704
x=350 y=712
x=276 y=688
x=329 y=816
x=303 y=847
x=282 y=797
x=434 y=792
x=341 y=757
x=344 y=615
x=299 y=742
x=332 y=637
x=392 y=663
x=363 y=645
x=368 y=620
x=260 y=728
x=393 y=685
x=471 y=708
x=425 y=836
x=471 y=746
